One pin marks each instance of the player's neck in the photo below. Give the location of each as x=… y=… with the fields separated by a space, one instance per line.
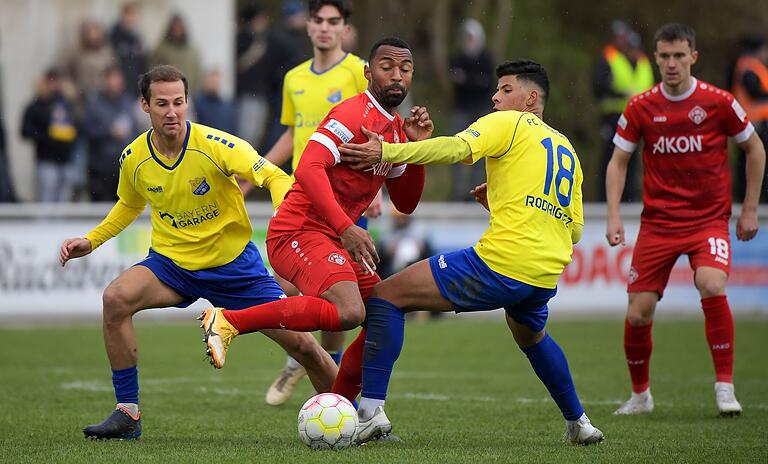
x=169 y=147
x=680 y=88
x=326 y=59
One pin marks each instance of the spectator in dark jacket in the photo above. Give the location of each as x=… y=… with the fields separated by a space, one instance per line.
x=473 y=75
x=49 y=122
x=129 y=47
x=109 y=126
x=211 y=108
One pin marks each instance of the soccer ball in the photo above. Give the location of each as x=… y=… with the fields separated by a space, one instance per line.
x=327 y=421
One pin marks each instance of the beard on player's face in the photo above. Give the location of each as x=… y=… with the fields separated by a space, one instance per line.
x=393 y=95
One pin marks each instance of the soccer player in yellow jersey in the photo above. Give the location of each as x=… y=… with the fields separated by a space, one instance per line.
x=310 y=90
x=533 y=193
x=201 y=236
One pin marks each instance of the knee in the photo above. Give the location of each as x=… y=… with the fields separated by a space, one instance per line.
x=638 y=319
x=351 y=315
x=116 y=303
x=710 y=287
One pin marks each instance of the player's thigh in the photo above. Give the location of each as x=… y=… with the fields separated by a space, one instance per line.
x=288 y=288
x=413 y=289
x=138 y=288
x=710 y=258
x=311 y=261
x=653 y=258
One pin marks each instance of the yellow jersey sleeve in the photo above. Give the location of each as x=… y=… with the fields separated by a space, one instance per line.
x=245 y=161
x=440 y=150
x=361 y=83
x=489 y=135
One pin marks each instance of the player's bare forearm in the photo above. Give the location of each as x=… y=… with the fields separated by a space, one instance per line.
x=615 y=178
x=282 y=150
x=754 y=151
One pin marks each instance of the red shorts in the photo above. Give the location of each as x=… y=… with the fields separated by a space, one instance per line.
x=313 y=262
x=657 y=251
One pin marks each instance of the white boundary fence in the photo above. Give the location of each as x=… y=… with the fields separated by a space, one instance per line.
x=34 y=287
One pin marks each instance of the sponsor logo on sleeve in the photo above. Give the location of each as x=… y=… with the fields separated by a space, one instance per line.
x=623 y=122
x=472 y=132
x=339 y=130
x=736 y=109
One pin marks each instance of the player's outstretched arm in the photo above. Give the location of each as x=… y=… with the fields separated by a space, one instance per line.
x=746 y=226
x=615 y=178
x=74 y=248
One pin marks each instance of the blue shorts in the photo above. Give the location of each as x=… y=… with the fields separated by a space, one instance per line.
x=242 y=283
x=467 y=282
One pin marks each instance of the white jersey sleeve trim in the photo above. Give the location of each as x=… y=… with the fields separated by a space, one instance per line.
x=327 y=143
x=744 y=135
x=396 y=171
x=624 y=144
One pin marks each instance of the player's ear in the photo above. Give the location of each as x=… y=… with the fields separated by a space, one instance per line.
x=144 y=105
x=367 y=72
x=532 y=97
x=694 y=56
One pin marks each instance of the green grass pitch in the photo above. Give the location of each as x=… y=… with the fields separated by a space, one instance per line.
x=461 y=392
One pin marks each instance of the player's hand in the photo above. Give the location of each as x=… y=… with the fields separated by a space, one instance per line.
x=746 y=227
x=357 y=241
x=614 y=232
x=481 y=194
x=74 y=248
x=418 y=126
x=361 y=156
x=374 y=209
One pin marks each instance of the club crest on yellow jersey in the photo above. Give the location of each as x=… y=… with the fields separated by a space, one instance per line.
x=199 y=186
x=334 y=95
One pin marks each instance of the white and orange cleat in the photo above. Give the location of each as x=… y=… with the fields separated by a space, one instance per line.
x=217 y=334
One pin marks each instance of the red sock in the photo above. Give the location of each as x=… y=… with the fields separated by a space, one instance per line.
x=718 y=323
x=300 y=313
x=349 y=379
x=638 y=345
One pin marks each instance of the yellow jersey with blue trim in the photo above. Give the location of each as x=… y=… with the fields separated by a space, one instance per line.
x=198 y=213
x=534 y=193
x=309 y=95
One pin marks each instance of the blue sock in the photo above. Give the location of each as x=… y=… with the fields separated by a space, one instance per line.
x=549 y=363
x=126 y=383
x=336 y=356
x=383 y=342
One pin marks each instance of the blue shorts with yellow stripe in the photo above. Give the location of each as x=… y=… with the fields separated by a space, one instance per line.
x=239 y=284
x=467 y=282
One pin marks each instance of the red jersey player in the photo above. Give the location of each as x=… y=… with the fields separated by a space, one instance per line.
x=312 y=240
x=684 y=124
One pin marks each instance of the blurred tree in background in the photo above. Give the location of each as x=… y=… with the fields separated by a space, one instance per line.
x=566 y=36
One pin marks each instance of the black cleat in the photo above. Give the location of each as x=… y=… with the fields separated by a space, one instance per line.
x=118 y=426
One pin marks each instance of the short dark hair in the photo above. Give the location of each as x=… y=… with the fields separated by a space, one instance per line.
x=162 y=73
x=396 y=42
x=342 y=5
x=675 y=31
x=526 y=70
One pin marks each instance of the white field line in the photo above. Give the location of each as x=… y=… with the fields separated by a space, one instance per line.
x=101 y=386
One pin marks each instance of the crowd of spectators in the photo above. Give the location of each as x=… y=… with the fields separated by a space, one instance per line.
x=86 y=105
